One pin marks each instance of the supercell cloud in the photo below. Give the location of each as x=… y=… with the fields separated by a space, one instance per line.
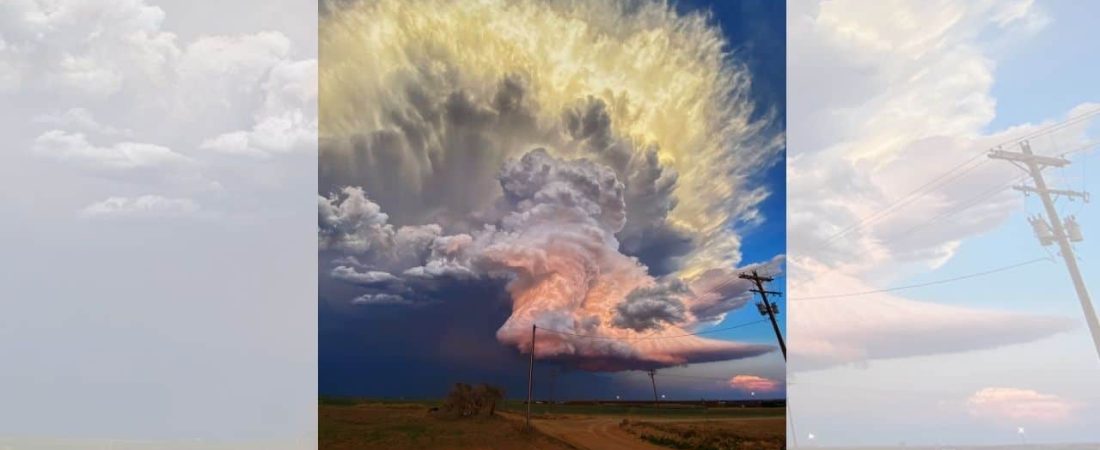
x=591 y=160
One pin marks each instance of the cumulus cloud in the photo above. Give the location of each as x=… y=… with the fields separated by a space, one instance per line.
x=286 y=122
x=753 y=383
x=427 y=144
x=145 y=206
x=1014 y=406
x=91 y=48
x=652 y=308
x=554 y=245
x=119 y=76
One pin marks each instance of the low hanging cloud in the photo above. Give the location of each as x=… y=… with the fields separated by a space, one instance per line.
x=145 y=206
x=1014 y=406
x=753 y=383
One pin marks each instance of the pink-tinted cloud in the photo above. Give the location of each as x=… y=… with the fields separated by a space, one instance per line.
x=753 y=383
x=1019 y=405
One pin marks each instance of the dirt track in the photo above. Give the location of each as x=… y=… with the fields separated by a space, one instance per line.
x=589 y=432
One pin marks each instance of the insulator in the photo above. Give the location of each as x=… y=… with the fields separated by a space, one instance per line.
x=1042 y=230
x=1073 y=230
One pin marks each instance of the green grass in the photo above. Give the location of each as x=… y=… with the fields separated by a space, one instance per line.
x=667 y=410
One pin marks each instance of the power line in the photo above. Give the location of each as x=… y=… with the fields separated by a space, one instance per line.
x=965 y=205
x=951 y=176
x=589 y=336
x=946 y=178
x=930 y=283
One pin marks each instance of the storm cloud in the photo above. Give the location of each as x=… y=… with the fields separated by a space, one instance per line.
x=606 y=214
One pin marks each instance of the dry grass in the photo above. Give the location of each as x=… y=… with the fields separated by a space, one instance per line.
x=411 y=426
x=762 y=434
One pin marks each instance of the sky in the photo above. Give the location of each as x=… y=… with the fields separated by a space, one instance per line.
x=157 y=282
x=965 y=362
x=396 y=321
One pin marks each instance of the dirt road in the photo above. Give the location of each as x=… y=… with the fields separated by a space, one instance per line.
x=589 y=432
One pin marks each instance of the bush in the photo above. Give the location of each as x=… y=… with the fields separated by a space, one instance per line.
x=465 y=400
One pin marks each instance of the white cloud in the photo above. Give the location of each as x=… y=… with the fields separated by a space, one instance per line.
x=82 y=120
x=1014 y=406
x=74 y=148
x=909 y=98
x=91 y=47
x=381 y=299
x=145 y=206
x=130 y=162
x=130 y=102
x=287 y=120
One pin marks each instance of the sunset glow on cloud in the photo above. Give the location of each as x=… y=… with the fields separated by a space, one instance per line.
x=753 y=383
x=1014 y=406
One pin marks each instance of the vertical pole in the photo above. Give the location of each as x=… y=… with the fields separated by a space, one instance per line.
x=530 y=375
x=1065 y=247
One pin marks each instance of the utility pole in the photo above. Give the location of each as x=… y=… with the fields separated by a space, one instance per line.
x=1057 y=229
x=770 y=309
x=530 y=375
x=654 y=383
x=766 y=308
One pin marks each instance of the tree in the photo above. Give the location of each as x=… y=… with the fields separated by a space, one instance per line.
x=465 y=400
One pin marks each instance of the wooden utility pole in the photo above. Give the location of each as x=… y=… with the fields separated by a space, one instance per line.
x=767 y=308
x=1034 y=164
x=770 y=309
x=530 y=375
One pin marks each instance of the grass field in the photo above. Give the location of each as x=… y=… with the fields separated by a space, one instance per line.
x=720 y=434
x=396 y=424
x=399 y=426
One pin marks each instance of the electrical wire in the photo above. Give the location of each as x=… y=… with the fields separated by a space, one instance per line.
x=974 y=275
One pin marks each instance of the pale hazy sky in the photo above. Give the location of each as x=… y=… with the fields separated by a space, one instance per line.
x=159 y=170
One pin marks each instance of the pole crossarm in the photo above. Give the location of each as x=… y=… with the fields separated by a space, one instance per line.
x=1059 y=192
x=753 y=276
x=765 y=292
x=1028 y=158
x=1034 y=166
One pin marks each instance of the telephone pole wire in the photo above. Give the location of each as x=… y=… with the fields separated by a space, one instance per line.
x=1057 y=230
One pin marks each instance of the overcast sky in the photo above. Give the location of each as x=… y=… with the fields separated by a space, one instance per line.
x=159 y=165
